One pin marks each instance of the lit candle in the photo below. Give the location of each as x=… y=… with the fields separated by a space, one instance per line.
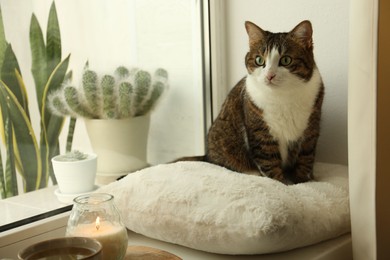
x=112 y=237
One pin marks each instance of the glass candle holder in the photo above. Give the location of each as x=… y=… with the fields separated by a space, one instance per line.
x=96 y=216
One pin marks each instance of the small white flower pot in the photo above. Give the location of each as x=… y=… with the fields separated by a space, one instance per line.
x=75 y=177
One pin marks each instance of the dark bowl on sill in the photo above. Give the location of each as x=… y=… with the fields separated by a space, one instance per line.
x=63 y=248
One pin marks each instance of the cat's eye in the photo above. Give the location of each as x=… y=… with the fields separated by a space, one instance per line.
x=285 y=60
x=259 y=61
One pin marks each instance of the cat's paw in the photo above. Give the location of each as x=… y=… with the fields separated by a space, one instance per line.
x=287 y=182
x=300 y=178
x=253 y=172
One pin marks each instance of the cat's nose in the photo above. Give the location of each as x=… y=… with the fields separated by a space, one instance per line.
x=271 y=76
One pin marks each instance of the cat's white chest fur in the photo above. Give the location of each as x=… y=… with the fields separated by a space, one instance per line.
x=286 y=106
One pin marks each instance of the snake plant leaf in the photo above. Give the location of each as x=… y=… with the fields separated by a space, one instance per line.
x=68 y=76
x=71 y=129
x=38 y=56
x=72 y=120
x=10 y=170
x=27 y=152
x=3 y=191
x=3 y=41
x=9 y=174
x=9 y=77
x=54 y=83
x=3 y=47
x=4 y=175
x=53 y=40
x=51 y=124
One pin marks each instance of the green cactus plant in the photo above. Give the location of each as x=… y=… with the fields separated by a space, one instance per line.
x=126 y=93
x=72 y=156
x=90 y=87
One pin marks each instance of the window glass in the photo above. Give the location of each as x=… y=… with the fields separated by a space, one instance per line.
x=109 y=33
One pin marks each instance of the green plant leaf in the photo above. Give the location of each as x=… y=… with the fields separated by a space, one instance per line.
x=9 y=77
x=3 y=41
x=9 y=181
x=54 y=83
x=38 y=56
x=53 y=40
x=2 y=177
x=69 y=138
x=51 y=125
x=27 y=152
x=10 y=176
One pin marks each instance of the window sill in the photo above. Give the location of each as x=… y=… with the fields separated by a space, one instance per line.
x=25 y=208
x=11 y=241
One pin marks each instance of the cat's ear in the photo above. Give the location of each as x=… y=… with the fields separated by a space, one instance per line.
x=255 y=33
x=303 y=34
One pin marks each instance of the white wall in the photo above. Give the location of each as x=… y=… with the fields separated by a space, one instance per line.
x=330 y=20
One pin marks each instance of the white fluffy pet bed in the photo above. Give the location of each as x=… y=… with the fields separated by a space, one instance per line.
x=210 y=208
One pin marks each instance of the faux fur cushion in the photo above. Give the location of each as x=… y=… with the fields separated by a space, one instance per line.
x=210 y=208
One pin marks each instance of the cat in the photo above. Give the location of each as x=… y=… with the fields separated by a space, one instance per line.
x=269 y=123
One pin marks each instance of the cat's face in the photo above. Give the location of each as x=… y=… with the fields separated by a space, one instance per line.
x=275 y=59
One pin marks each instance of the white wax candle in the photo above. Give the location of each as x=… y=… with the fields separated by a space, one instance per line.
x=113 y=238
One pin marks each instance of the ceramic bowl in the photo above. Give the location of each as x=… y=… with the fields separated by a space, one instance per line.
x=63 y=248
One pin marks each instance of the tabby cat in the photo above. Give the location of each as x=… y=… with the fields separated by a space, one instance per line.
x=270 y=122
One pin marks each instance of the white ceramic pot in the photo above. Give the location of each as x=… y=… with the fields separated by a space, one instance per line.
x=121 y=145
x=75 y=177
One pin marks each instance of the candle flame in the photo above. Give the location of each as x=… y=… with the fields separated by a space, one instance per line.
x=97 y=223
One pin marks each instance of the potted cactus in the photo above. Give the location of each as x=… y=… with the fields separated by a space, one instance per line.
x=75 y=165
x=116 y=109
x=71 y=166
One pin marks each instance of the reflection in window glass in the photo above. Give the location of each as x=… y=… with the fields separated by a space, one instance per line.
x=142 y=33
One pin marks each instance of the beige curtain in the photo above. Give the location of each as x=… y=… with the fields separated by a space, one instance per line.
x=362 y=126
x=369 y=128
